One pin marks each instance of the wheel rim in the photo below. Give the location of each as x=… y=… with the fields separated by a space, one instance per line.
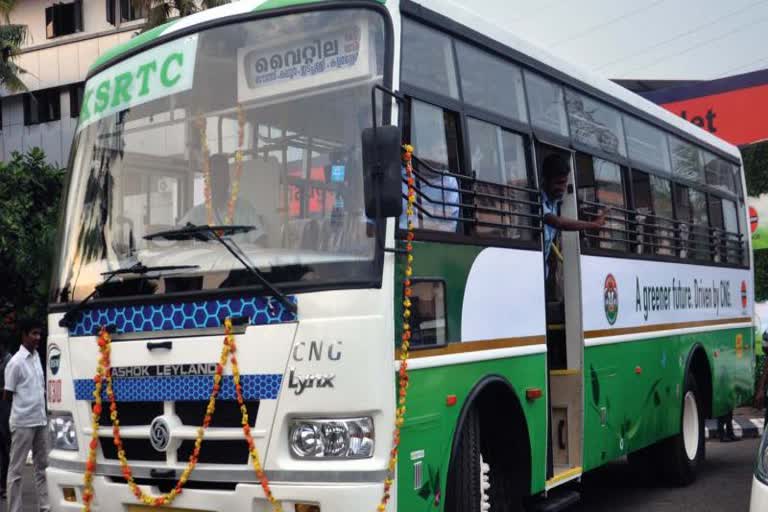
x=690 y=425
x=485 y=485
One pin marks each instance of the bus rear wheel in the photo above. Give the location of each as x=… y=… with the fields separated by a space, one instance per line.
x=477 y=480
x=683 y=454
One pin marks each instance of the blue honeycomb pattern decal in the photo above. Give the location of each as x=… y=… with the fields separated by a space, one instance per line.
x=181 y=315
x=186 y=387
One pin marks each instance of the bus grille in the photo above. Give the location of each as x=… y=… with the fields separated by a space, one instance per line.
x=191 y=413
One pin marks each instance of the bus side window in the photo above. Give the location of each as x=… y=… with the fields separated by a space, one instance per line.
x=502 y=206
x=717 y=240
x=661 y=195
x=600 y=184
x=428 y=320
x=643 y=206
x=434 y=135
x=701 y=239
x=684 y=214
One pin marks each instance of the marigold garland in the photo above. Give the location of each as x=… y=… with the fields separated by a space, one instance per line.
x=405 y=341
x=104 y=376
x=202 y=127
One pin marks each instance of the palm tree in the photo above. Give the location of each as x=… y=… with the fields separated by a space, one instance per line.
x=160 y=11
x=12 y=36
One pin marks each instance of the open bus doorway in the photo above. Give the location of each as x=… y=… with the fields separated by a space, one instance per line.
x=564 y=334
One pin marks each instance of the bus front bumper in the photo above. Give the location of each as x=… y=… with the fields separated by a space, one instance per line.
x=116 y=496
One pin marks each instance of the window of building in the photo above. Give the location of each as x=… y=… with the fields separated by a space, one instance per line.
x=490 y=83
x=42 y=106
x=435 y=136
x=76 y=92
x=595 y=124
x=646 y=144
x=428 y=313
x=546 y=104
x=62 y=19
x=686 y=160
x=601 y=183
x=428 y=60
x=129 y=11
x=502 y=200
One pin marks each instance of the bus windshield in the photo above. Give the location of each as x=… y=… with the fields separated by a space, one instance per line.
x=256 y=123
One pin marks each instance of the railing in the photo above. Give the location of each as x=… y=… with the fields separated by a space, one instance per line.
x=644 y=233
x=449 y=201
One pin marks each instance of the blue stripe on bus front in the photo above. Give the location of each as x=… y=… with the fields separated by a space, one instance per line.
x=185 y=387
x=181 y=315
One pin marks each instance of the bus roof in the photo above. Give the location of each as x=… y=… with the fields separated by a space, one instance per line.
x=481 y=18
x=231 y=9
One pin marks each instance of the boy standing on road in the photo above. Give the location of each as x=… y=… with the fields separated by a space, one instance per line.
x=24 y=384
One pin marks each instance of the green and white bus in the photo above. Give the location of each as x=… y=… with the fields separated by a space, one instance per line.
x=257 y=118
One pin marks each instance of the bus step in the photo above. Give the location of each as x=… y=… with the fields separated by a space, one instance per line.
x=557 y=500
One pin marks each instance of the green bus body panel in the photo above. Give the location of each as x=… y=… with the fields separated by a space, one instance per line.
x=638 y=387
x=430 y=423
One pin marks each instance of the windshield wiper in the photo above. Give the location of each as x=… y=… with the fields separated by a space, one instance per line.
x=201 y=233
x=137 y=268
x=207 y=233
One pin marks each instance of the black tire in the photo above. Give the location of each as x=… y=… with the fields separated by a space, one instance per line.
x=678 y=466
x=464 y=492
x=645 y=462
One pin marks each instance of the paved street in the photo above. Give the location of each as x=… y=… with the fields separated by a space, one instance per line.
x=724 y=485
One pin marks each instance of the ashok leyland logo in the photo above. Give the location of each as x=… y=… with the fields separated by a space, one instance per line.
x=611 y=299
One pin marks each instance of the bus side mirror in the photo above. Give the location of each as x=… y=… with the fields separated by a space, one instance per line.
x=382 y=172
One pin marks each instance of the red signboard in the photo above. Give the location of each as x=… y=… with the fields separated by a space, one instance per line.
x=734 y=108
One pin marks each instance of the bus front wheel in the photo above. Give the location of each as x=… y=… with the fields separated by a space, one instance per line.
x=684 y=452
x=477 y=479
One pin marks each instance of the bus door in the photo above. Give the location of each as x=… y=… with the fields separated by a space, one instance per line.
x=564 y=335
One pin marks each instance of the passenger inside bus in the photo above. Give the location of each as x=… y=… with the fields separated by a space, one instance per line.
x=555 y=171
x=244 y=212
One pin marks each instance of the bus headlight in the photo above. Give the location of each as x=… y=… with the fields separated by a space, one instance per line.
x=342 y=438
x=62 y=432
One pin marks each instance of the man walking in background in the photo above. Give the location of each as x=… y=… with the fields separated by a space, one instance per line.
x=5 y=416
x=25 y=385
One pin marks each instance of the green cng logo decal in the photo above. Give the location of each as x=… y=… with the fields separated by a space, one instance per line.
x=161 y=71
x=611 y=299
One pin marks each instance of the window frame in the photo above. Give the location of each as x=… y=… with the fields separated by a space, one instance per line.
x=463 y=112
x=429 y=279
x=53 y=23
x=532 y=135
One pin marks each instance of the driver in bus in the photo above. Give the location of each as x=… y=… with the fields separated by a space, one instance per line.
x=245 y=214
x=555 y=171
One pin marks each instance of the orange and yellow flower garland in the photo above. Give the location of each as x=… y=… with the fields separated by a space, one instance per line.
x=202 y=127
x=405 y=342
x=104 y=375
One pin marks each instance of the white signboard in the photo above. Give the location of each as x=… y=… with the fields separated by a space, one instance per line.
x=314 y=59
x=618 y=292
x=161 y=71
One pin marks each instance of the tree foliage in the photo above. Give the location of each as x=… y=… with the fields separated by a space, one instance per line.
x=12 y=37
x=160 y=11
x=30 y=190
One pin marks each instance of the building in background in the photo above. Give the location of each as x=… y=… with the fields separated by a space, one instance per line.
x=66 y=37
x=734 y=108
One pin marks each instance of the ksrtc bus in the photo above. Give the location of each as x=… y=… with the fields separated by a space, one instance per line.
x=226 y=165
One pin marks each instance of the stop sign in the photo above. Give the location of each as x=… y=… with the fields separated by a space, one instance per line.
x=752 y=219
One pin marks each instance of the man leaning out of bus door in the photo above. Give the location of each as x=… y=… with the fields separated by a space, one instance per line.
x=555 y=171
